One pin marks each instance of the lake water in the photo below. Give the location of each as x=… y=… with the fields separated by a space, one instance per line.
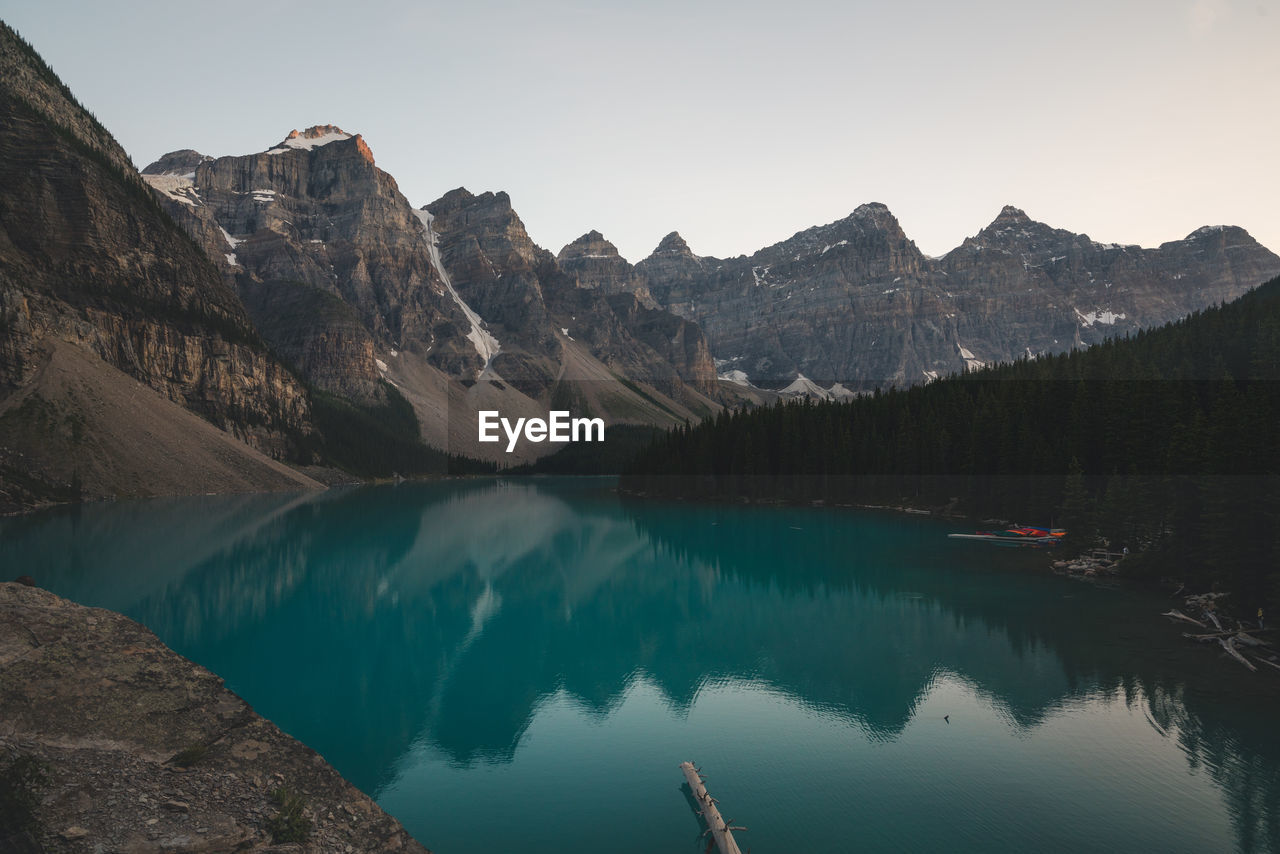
x=520 y=665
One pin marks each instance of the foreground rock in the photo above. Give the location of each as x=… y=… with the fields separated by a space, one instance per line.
x=106 y=706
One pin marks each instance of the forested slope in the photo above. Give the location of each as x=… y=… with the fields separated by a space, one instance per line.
x=1165 y=441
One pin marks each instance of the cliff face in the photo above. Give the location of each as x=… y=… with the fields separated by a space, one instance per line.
x=589 y=293
x=351 y=284
x=494 y=266
x=597 y=264
x=315 y=210
x=454 y=304
x=89 y=260
x=113 y=784
x=855 y=302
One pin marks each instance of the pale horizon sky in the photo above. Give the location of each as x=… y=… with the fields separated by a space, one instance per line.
x=735 y=123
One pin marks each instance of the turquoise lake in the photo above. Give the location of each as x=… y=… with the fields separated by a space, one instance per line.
x=521 y=664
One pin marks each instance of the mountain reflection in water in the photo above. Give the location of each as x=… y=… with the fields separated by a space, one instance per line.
x=441 y=642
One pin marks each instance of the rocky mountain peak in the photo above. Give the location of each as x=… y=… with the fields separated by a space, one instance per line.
x=872 y=210
x=177 y=163
x=1220 y=232
x=590 y=245
x=873 y=215
x=673 y=244
x=1013 y=228
x=450 y=201
x=1009 y=213
x=317 y=136
x=314 y=135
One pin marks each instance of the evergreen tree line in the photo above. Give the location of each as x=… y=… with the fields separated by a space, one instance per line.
x=1164 y=441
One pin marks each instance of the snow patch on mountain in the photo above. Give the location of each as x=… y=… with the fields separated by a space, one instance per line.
x=737 y=378
x=180 y=188
x=802 y=386
x=310 y=138
x=1106 y=317
x=839 y=392
x=484 y=342
x=971 y=361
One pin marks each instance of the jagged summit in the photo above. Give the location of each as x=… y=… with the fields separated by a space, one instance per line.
x=590 y=245
x=1013 y=225
x=673 y=243
x=317 y=136
x=488 y=204
x=1011 y=213
x=314 y=136
x=871 y=209
x=1009 y=217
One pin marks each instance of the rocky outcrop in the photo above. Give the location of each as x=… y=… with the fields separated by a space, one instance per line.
x=89 y=260
x=526 y=294
x=678 y=342
x=597 y=264
x=145 y=751
x=494 y=266
x=856 y=303
x=673 y=268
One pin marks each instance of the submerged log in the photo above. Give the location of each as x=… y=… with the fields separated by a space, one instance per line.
x=1178 y=615
x=1229 y=644
x=720 y=829
x=1266 y=662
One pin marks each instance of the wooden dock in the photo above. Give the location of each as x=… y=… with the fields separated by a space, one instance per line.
x=720 y=829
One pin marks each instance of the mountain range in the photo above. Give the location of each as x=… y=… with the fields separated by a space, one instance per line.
x=198 y=325
x=452 y=304
x=856 y=304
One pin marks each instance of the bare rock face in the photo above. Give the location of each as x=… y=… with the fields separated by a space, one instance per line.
x=856 y=303
x=526 y=294
x=315 y=211
x=178 y=163
x=678 y=342
x=495 y=267
x=110 y=712
x=597 y=264
x=352 y=286
x=87 y=258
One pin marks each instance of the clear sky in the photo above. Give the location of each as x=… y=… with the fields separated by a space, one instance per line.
x=736 y=123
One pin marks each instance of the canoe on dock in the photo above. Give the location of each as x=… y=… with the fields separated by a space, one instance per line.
x=1026 y=537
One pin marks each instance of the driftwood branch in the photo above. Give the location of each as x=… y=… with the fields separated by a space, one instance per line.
x=720 y=829
x=1229 y=644
x=1178 y=615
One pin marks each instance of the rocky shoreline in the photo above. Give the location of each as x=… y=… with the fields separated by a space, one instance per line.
x=111 y=716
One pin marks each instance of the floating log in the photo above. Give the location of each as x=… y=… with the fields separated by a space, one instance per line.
x=1239 y=636
x=720 y=829
x=1229 y=644
x=1268 y=663
x=1178 y=615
